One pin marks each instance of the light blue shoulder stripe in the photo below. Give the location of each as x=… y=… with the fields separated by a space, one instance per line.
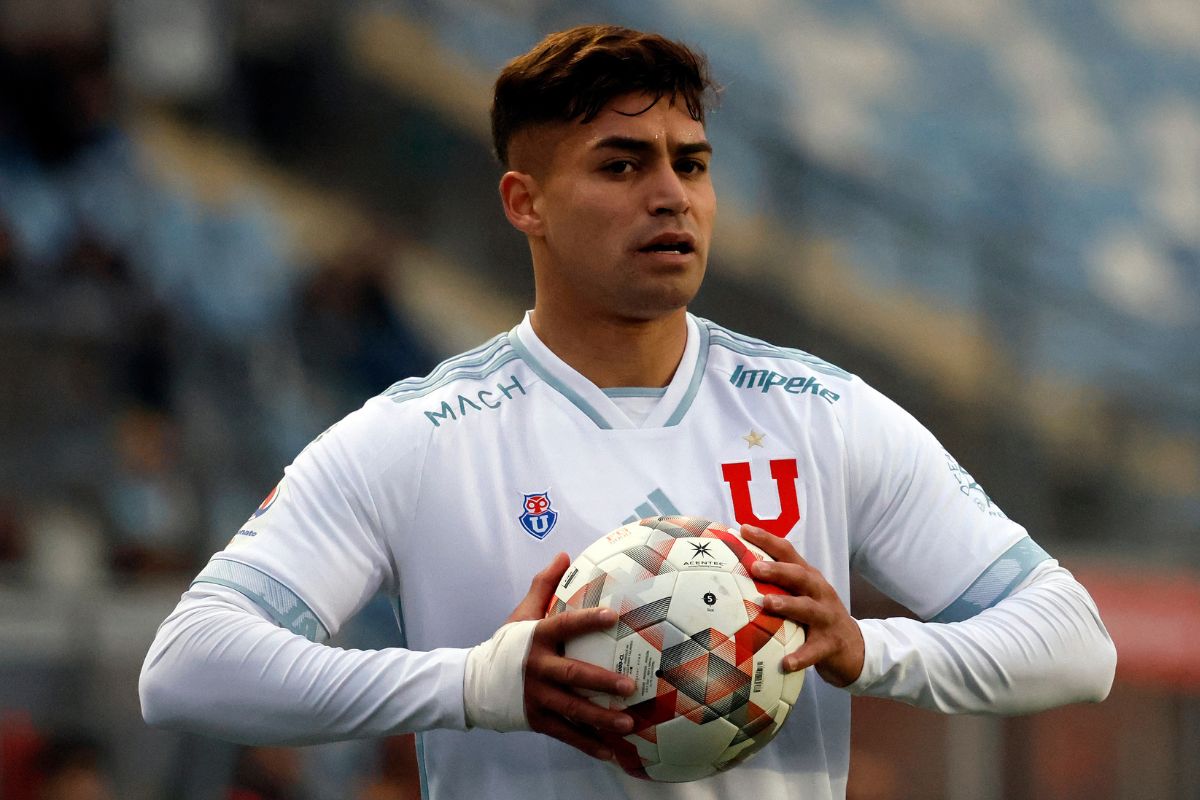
x=463 y=374
x=697 y=377
x=996 y=582
x=280 y=602
x=558 y=385
x=472 y=358
x=747 y=346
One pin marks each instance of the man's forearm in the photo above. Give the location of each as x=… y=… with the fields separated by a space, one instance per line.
x=219 y=668
x=1041 y=647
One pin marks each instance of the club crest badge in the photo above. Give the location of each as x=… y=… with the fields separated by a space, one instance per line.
x=539 y=518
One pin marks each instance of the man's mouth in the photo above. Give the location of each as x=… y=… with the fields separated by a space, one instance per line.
x=676 y=244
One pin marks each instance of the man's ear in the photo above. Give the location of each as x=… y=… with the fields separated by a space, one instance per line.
x=519 y=193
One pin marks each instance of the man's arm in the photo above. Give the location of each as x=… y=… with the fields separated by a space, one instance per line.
x=1041 y=646
x=219 y=666
x=240 y=657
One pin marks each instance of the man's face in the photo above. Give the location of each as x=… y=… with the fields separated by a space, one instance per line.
x=626 y=207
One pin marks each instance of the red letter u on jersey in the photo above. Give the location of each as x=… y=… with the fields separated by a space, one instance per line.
x=785 y=472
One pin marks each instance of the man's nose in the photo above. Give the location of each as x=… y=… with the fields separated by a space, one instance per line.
x=668 y=195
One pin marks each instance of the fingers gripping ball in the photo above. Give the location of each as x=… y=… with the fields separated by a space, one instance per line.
x=692 y=634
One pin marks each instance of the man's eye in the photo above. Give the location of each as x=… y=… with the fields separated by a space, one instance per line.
x=622 y=167
x=691 y=166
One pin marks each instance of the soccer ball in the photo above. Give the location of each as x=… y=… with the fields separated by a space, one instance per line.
x=691 y=632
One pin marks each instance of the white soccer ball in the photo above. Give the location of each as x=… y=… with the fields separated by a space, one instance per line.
x=704 y=656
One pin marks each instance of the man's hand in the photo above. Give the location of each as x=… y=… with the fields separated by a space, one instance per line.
x=552 y=704
x=833 y=641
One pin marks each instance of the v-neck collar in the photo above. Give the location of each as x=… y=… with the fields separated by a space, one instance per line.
x=591 y=399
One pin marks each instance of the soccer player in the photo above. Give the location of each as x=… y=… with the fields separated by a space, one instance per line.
x=610 y=402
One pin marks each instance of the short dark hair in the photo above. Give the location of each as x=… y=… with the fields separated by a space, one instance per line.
x=574 y=73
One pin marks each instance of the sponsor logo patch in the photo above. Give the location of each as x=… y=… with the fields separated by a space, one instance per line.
x=764 y=380
x=255 y=525
x=267 y=502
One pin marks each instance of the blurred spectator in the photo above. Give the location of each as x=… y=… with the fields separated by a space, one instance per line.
x=12 y=534
x=873 y=776
x=57 y=97
x=398 y=777
x=20 y=744
x=280 y=64
x=61 y=766
x=56 y=104
x=267 y=773
x=350 y=333
x=94 y=293
x=150 y=369
x=8 y=256
x=153 y=507
x=72 y=768
x=67 y=551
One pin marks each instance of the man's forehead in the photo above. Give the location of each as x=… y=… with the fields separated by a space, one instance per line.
x=640 y=116
x=632 y=117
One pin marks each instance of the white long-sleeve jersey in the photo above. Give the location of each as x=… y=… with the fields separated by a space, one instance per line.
x=448 y=492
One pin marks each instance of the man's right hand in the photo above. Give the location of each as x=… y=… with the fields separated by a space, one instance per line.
x=552 y=703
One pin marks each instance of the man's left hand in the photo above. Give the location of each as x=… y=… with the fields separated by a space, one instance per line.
x=833 y=642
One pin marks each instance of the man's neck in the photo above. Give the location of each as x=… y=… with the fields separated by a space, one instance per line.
x=612 y=352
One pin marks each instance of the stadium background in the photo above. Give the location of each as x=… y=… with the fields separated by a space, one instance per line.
x=225 y=223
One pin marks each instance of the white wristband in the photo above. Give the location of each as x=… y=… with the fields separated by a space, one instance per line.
x=494 y=681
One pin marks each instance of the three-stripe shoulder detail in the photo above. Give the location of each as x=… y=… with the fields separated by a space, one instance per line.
x=751 y=347
x=472 y=365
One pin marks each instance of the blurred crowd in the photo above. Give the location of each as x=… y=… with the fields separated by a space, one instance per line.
x=164 y=354
x=161 y=359
x=176 y=343
x=74 y=765
x=57 y=767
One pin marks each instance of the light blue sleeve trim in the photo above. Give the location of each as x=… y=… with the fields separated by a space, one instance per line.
x=280 y=602
x=996 y=582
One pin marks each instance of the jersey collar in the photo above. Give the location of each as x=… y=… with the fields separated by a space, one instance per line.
x=591 y=399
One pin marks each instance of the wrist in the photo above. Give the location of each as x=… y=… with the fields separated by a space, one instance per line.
x=494 y=679
x=872 y=659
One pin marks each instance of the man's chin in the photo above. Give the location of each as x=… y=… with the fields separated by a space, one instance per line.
x=652 y=306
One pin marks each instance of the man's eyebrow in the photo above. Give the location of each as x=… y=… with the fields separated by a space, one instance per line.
x=693 y=147
x=631 y=145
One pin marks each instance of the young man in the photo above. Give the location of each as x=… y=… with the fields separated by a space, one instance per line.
x=608 y=402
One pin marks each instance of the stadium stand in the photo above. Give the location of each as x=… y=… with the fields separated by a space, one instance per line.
x=990 y=210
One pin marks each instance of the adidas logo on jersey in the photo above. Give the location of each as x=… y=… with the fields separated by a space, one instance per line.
x=764 y=380
x=657 y=504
